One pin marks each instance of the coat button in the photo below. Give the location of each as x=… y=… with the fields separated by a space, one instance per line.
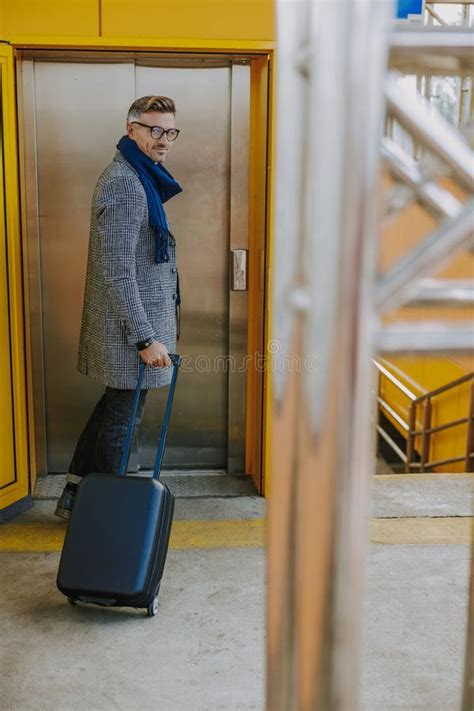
x=174 y=297
x=174 y=270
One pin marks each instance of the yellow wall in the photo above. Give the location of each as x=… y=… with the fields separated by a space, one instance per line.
x=210 y=19
x=167 y=19
x=49 y=17
x=14 y=473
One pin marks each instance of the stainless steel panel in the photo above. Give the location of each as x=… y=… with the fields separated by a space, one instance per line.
x=239 y=240
x=199 y=219
x=33 y=261
x=78 y=112
x=74 y=114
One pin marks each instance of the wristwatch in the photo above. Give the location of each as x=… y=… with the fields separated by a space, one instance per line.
x=141 y=345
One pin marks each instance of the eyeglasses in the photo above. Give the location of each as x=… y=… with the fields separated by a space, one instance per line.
x=157 y=132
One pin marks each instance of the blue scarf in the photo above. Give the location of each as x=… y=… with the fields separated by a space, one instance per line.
x=159 y=186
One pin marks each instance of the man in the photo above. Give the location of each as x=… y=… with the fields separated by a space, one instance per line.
x=131 y=296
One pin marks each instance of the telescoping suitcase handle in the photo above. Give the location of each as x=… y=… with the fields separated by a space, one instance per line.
x=176 y=361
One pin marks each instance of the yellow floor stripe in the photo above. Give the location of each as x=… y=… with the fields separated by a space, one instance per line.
x=421 y=530
x=427 y=476
x=218 y=534
x=49 y=536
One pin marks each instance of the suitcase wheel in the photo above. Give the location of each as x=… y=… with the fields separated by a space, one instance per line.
x=72 y=601
x=152 y=608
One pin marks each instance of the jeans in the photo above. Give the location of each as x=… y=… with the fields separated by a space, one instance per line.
x=99 y=448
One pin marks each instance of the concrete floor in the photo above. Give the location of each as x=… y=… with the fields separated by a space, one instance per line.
x=202 y=651
x=205 y=649
x=414 y=625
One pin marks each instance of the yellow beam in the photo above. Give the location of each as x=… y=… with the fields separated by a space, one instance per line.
x=151 y=43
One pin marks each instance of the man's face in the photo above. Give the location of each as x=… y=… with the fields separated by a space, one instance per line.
x=155 y=148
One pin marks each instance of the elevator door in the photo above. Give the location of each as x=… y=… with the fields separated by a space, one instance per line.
x=76 y=113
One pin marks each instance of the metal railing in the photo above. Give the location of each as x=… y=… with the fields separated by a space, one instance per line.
x=413 y=430
x=329 y=299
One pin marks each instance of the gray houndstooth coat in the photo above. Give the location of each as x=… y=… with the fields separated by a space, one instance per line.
x=128 y=297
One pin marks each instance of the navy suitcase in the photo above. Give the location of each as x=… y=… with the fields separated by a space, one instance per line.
x=116 y=544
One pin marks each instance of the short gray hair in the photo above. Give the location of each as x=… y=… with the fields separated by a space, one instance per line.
x=163 y=104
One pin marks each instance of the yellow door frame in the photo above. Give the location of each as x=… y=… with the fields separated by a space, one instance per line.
x=15 y=480
x=261 y=54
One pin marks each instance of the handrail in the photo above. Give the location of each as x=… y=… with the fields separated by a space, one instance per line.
x=426 y=429
x=396 y=371
x=393 y=379
x=443 y=292
x=444 y=388
x=448 y=425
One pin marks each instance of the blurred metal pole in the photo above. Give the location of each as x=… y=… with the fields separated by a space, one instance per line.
x=396 y=286
x=404 y=168
x=281 y=559
x=409 y=46
x=443 y=292
x=425 y=336
x=468 y=689
x=431 y=129
x=332 y=60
